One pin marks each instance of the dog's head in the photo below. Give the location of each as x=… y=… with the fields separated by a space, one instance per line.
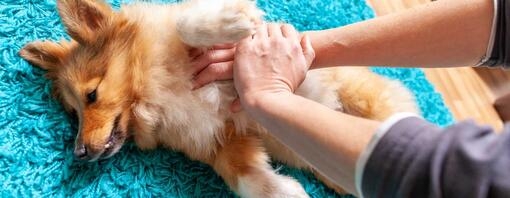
x=92 y=74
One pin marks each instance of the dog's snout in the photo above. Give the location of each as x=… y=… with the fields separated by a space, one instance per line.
x=87 y=152
x=80 y=152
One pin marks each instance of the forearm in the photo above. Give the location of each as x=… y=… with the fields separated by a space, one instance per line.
x=330 y=141
x=438 y=34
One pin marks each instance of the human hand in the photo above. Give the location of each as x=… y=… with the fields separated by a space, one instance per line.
x=274 y=60
x=212 y=64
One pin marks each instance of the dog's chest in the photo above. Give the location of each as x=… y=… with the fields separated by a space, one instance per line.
x=191 y=122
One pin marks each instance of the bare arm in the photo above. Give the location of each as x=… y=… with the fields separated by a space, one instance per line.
x=443 y=33
x=328 y=140
x=266 y=76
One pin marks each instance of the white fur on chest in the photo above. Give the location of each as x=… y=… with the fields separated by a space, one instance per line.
x=190 y=121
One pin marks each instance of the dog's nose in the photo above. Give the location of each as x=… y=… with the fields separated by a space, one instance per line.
x=80 y=152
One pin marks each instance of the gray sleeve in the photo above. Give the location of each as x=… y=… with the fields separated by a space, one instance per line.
x=417 y=159
x=498 y=51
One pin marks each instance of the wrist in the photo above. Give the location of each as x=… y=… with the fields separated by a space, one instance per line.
x=264 y=101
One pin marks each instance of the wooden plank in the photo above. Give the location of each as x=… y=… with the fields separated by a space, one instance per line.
x=497 y=80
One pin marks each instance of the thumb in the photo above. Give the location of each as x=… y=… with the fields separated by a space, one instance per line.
x=308 y=51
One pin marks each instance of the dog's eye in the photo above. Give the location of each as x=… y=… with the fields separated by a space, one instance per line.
x=92 y=97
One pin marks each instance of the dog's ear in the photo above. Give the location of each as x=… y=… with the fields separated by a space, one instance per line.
x=82 y=18
x=45 y=54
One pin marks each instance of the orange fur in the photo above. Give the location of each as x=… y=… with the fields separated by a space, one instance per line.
x=136 y=62
x=239 y=155
x=366 y=94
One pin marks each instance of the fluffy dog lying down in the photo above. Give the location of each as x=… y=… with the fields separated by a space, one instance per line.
x=127 y=73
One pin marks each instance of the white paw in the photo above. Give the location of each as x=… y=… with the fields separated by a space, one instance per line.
x=216 y=22
x=239 y=19
x=289 y=187
x=274 y=186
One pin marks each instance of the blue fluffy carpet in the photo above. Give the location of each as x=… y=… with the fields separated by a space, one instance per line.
x=36 y=136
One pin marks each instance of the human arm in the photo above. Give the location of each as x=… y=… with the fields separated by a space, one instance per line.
x=267 y=70
x=438 y=34
x=328 y=140
x=442 y=33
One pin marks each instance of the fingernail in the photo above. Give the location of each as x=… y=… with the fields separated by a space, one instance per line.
x=235 y=109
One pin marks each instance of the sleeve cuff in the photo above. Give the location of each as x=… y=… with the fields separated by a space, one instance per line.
x=381 y=131
x=490 y=45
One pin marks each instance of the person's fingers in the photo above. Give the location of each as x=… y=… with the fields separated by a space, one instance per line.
x=261 y=32
x=212 y=56
x=273 y=30
x=195 y=53
x=216 y=71
x=236 y=106
x=308 y=51
x=224 y=46
x=288 y=31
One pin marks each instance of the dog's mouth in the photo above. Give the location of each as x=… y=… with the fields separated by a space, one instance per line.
x=112 y=145
x=115 y=141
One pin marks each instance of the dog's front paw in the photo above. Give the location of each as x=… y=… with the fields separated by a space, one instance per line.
x=239 y=19
x=218 y=22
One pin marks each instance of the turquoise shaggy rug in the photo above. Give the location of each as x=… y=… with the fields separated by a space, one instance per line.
x=36 y=135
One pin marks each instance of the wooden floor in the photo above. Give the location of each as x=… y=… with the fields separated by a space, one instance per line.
x=468 y=92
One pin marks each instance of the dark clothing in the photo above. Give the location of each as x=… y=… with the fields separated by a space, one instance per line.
x=499 y=55
x=417 y=159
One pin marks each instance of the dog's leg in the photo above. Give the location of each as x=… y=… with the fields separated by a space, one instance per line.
x=365 y=94
x=243 y=164
x=204 y=23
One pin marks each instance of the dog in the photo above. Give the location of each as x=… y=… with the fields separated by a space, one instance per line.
x=127 y=74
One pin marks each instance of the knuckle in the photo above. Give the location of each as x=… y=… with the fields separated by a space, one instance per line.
x=295 y=49
x=289 y=27
x=275 y=41
x=311 y=53
x=217 y=68
x=204 y=79
x=265 y=45
x=211 y=54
